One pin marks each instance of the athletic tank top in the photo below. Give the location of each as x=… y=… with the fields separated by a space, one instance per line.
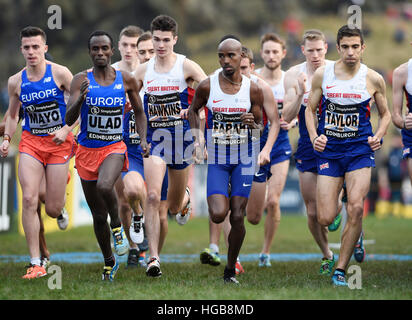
x=282 y=140
x=345 y=114
x=165 y=95
x=228 y=140
x=101 y=115
x=407 y=134
x=43 y=104
x=305 y=150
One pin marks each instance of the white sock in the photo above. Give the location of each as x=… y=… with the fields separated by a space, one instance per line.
x=35 y=261
x=214 y=247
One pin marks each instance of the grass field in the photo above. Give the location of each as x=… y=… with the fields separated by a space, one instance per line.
x=194 y=281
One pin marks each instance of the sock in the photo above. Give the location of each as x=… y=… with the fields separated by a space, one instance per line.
x=60 y=217
x=343 y=271
x=109 y=262
x=213 y=247
x=142 y=254
x=35 y=261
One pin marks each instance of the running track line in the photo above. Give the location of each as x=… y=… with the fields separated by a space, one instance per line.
x=96 y=257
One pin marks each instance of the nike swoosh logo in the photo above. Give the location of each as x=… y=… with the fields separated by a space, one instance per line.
x=246 y=185
x=288 y=152
x=216 y=101
x=329 y=87
x=258 y=175
x=150 y=81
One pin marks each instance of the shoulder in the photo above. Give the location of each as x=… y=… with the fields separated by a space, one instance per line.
x=60 y=70
x=375 y=78
x=191 y=67
x=141 y=70
x=401 y=72
x=318 y=75
x=14 y=83
x=292 y=74
x=80 y=77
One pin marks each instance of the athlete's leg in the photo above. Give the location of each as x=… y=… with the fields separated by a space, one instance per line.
x=56 y=181
x=237 y=231
x=176 y=194
x=109 y=171
x=164 y=224
x=275 y=187
x=42 y=240
x=357 y=186
x=154 y=171
x=257 y=202
x=99 y=211
x=327 y=193
x=30 y=173
x=307 y=181
x=125 y=212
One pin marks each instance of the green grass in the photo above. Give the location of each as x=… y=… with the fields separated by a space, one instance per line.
x=188 y=281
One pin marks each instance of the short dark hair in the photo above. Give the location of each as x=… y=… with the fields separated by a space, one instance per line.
x=272 y=37
x=144 y=37
x=97 y=34
x=247 y=53
x=164 y=23
x=346 y=31
x=131 y=31
x=229 y=36
x=31 y=31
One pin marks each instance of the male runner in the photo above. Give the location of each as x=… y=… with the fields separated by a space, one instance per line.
x=136 y=192
x=233 y=108
x=273 y=50
x=46 y=144
x=98 y=95
x=343 y=141
x=297 y=87
x=167 y=79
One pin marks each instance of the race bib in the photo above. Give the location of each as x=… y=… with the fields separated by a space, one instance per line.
x=44 y=118
x=228 y=129
x=164 y=111
x=134 y=137
x=105 y=123
x=341 y=121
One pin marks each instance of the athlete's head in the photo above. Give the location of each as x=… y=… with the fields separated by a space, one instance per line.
x=230 y=54
x=229 y=36
x=314 y=47
x=101 y=49
x=246 y=64
x=350 y=45
x=164 y=32
x=272 y=50
x=145 y=49
x=33 y=45
x=127 y=43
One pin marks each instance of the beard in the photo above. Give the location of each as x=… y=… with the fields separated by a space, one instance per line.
x=272 y=65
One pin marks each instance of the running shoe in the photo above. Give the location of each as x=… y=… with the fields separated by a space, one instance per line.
x=336 y=223
x=133 y=259
x=183 y=217
x=238 y=268
x=63 y=219
x=45 y=262
x=35 y=271
x=338 y=279
x=229 y=276
x=110 y=272
x=327 y=265
x=136 y=228
x=264 y=260
x=142 y=260
x=359 y=251
x=207 y=256
x=121 y=245
x=153 y=268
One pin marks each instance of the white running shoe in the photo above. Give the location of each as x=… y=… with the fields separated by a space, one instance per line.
x=63 y=219
x=136 y=229
x=153 y=268
x=183 y=217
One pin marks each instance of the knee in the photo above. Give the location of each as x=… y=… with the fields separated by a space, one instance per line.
x=104 y=189
x=253 y=219
x=54 y=209
x=273 y=204
x=217 y=216
x=30 y=201
x=355 y=212
x=153 y=199
x=325 y=220
x=237 y=219
x=134 y=193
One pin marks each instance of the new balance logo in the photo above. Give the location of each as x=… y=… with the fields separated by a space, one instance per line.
x=117 y=87
x=48 y=79
x=65 y=157
x=324 y=166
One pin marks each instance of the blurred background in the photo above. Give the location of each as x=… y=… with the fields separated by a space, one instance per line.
x=387 y=26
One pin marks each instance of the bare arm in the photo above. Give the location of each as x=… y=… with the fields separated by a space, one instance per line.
x=318 y=142
x=254 y=118
x=399 y=80
x=132 y=91
x=78 y=91
x=13 y=113
x=193 y=72
x=199 y=101
x=295 y=87
x=383 y=110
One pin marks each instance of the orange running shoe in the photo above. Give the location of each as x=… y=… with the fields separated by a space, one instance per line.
x=239 y=268
x=35 y=272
